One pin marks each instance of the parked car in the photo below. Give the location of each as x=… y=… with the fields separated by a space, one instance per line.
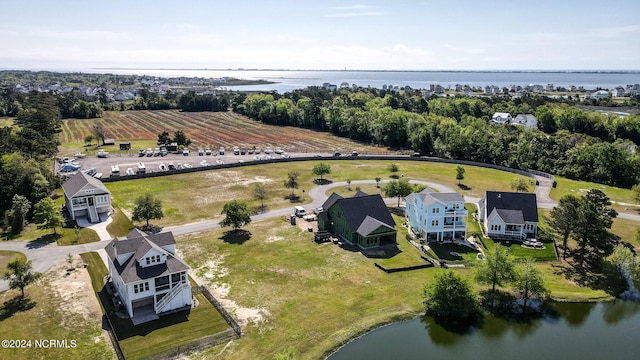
x=185 y=152
x=90 y=171
x=171 y=166
x=141 y=153
x=200 y=152
x=221 y=151
x=354 y=153
x=336 y=154
x=207 y=152
x=69 y=167
x=102 y=154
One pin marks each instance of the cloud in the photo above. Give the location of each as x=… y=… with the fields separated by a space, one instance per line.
x=400 y=48
x=354 y=11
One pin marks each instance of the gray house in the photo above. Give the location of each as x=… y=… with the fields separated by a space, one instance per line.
x=86 y=196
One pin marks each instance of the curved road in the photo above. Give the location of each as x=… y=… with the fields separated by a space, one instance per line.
x=44 y=257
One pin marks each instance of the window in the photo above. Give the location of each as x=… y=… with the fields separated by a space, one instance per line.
x=102 y=198
x=157 y=258
x=147 y=261
x=456 y=206
x=436 y=210
x=135 y=288
x=146 y=286
x=496 y=227
x=435 y=222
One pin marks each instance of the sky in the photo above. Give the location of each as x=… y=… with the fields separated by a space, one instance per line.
x=321 y=35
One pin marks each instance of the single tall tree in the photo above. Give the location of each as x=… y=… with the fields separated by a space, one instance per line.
x=20 y=274
x=563 y=219
x=260 y=193
x=99 y=133
x=519 y=184
x=321 y=169
x=397 y=188
x=47 y=215
x=528 y=281
x=17 y=215
x=292 y=181
x=181 y=139
x=496 y=270
x=378 y=179
x=237 y=214
x=595 y=217
x=459 y=173
x=164 y=138
x=147 y=207
x=450 y=297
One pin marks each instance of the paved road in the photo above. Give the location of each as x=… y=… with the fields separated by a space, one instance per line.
x=45 y=256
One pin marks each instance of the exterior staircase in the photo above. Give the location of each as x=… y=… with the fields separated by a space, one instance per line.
x=162 y=303
x=93 y=214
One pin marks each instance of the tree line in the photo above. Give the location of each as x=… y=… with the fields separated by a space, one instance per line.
x=571 y=142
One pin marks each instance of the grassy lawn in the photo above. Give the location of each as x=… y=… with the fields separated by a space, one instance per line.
x=198 y=196
x=407 y=255
x=45 y=315
x=65 y=236
x=578 y=188
x=315 y=296
x=120 y=224
x=9 y=256
x=165 y=333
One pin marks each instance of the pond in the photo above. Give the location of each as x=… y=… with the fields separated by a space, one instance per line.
x=574 y=331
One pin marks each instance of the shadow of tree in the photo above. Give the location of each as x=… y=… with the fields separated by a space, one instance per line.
x=293 y=198
x=464 y=187
x=381 y=253
x=598 y=276
x=43 y=241
x=238 y=236
x=322 y=181
x=14 y=305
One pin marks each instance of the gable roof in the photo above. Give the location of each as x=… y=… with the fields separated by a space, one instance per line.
x=370 y=225
x=356 y=209
x=524 y=202
x=331 y=200
x=78 y=181
x=429 y=197
x=139 y=244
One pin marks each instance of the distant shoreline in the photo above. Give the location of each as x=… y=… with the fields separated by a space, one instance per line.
x=392 y=71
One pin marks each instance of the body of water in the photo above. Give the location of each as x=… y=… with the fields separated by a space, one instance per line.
x=575 y=331
x=288 y=80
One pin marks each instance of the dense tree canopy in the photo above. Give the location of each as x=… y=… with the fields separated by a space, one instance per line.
x=147 y=207
x=450 y=298
x=236 y=214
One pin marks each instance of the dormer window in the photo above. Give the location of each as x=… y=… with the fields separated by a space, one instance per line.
x=436 y=210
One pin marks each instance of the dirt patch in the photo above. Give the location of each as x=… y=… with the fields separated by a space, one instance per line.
x=210 y=274
x=71 y=282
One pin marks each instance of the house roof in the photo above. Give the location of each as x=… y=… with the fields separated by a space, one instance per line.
x=356 y=209
x=77 y=182
x=508 y=216
x=429 y=197
x=524 y=202
x=139 y=244
x=331 y=200
x=501 y=115
x=370 y=225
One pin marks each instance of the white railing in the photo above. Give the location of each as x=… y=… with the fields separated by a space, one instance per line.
x=160 y=305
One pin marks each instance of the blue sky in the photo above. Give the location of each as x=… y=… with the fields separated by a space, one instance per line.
x=371 y=35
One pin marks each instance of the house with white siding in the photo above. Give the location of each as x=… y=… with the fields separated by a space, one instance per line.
x=437 y=216
x=509 y=215
x=148 y=277
x=86 y=196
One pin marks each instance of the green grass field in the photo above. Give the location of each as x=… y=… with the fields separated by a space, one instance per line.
x=201 y=195
x=9 y=256
x=316 y=296
x=578 y=188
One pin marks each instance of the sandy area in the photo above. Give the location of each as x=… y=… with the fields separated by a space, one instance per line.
x=75 y=291
x=212 y=274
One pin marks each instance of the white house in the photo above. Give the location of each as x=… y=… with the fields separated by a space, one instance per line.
x=86 y=196
x=509 y=215
x=147 y=275
x=437 y=216
x=501 y=118
x=527 y=120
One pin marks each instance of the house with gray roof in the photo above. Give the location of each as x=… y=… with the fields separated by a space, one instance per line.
x=148 y=276
x=527 y=120
x=509 y=215
x=437 y=216
x=361 y=220
x=86 y=196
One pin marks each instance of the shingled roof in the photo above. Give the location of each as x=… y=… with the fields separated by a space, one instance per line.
x=78 y=181
x=139 y=244
x=356 y=209
x=524 y=202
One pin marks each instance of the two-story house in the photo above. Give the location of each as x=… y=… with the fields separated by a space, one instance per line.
x=361 y=220
x=86 y=196
x=147 y=275
x=437 y=216
x=509 y=215
x=501 y=118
